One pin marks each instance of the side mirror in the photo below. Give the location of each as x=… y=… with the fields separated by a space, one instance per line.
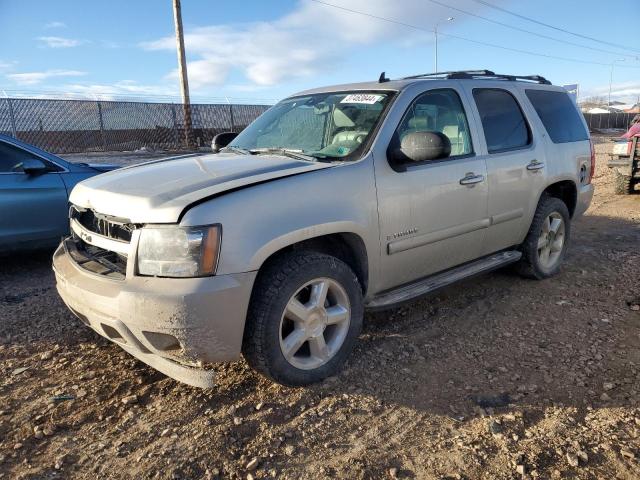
x=31 y=166
x=421 y=147
x=221 y=140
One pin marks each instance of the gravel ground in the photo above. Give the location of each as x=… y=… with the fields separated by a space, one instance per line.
x=494 y=378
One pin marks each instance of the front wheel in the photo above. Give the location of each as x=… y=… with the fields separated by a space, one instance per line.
x=305 y=316
x=544 y=248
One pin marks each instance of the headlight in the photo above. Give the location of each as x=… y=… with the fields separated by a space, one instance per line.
x=178 y=251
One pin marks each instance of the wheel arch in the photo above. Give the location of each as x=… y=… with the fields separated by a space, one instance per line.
x=348 y=247
x=565 y=190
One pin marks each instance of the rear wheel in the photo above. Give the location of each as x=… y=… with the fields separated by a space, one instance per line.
x=304 y=318
x=546 y=243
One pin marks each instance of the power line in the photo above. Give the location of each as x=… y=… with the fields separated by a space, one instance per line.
x=586 y=37
x=458 y=37
x=513 y=27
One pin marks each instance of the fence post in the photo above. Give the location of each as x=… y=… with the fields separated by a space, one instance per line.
x=12 y=119
x=231 y=115
x=176 y=137
x=101 y=123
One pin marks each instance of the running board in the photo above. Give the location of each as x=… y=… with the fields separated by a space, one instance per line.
x=439 y=280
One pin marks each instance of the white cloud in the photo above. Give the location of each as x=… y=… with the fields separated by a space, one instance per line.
x=311 y=39
x=6 y=65
x=627 y=92
x=60 y=42
x=124 y=88
x=55 y=25
x=32 y=78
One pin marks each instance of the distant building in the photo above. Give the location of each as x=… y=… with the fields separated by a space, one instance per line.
x=620 y=106
x=602 y=109
x=633 y=109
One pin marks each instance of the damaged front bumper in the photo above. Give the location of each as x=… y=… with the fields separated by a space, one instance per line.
x=175 y=325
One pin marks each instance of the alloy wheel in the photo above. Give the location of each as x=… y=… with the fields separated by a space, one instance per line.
x=315 y=323
x=551 y=240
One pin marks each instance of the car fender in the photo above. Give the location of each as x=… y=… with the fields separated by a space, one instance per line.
x=262 y=219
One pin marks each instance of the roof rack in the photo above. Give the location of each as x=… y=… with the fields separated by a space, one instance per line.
x=467 y=74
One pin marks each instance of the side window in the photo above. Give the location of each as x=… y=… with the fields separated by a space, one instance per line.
x=439 y=111
x=558 y=115
x=503 y=122
x=11 y=157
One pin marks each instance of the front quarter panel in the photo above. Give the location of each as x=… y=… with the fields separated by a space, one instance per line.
x=260 y=220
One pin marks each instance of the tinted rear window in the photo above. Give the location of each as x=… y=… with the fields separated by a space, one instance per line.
x=559 y=116
x=503 y=122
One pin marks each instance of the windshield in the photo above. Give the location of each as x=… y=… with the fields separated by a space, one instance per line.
x=323 y=125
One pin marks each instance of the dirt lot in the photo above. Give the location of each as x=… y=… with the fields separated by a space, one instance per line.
x=494 y=378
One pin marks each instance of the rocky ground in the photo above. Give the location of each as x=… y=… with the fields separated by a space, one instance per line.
x=494 y=378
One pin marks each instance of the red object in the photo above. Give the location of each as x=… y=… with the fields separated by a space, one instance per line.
x=592 y=170
x=633 y=131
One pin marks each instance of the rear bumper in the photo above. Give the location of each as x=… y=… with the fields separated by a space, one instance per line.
x=173 y=325
x=585 y=194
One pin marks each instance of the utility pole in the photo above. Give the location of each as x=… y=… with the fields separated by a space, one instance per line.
x=435 y=63
x=182 y=73
x=435 y=32
x=611 y=79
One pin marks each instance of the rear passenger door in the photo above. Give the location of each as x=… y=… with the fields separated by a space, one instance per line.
x=515 y=159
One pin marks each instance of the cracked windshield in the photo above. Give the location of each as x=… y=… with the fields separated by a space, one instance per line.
x=321 y=126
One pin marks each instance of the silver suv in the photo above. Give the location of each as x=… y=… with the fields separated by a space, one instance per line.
x=335 y=200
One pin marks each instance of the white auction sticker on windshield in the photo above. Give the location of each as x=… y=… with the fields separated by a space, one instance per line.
x=367 y=98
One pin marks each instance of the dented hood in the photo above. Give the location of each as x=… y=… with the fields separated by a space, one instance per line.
x=158 y=191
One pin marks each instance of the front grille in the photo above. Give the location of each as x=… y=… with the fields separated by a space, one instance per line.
x=107 y=226
x=93 y=258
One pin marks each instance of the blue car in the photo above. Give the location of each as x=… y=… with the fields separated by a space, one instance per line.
x=34 y=193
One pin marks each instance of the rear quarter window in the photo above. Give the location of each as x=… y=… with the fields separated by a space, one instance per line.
x=559 y=115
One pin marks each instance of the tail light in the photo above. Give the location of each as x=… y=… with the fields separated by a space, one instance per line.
x=592 y=170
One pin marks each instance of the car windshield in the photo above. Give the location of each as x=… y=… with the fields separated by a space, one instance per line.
x=333 y=126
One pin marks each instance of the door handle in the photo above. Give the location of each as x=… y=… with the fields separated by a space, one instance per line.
x=535 y=165
x=471 y=179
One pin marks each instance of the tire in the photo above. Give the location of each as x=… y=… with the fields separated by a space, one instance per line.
x=623 y=184
x=534 y=264
x=271 y=326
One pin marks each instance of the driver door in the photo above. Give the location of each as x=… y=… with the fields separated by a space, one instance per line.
x=33 y=208
x=432 y=214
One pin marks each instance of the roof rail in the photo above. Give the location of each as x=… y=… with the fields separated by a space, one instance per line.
x=466 y=74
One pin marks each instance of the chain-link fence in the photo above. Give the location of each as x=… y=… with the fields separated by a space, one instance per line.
x=76 y=126
x=608 y=121
x=70 y=126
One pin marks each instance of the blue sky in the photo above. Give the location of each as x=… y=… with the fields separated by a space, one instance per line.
x=252 y=50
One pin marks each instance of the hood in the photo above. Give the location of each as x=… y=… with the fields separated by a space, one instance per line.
x=103 y=167
x=158 y=191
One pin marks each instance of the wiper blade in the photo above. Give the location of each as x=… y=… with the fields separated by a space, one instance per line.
x=241 y=151
x=288 y=152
